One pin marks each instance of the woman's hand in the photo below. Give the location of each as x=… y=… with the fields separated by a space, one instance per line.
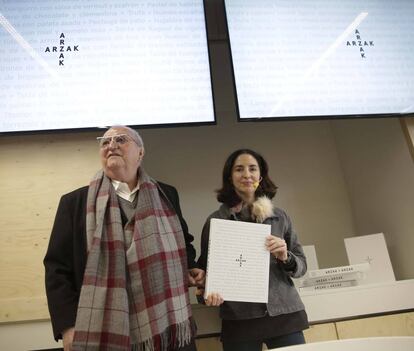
x=214 y=299
x=277 y=247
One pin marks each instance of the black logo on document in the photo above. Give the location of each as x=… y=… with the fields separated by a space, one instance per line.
x=361 y=44
x=62 y=49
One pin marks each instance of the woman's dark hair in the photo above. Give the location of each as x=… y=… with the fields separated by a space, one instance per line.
x=228 y=195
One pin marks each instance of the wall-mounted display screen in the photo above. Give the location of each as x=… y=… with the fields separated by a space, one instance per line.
x=84 y=64
x=318 y=59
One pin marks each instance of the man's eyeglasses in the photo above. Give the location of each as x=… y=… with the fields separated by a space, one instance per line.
x=120 y=139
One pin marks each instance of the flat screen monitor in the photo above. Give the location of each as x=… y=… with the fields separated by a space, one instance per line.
x=322 y=59
x=85 y=64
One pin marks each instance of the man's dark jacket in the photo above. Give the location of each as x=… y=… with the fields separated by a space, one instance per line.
x=66 y=255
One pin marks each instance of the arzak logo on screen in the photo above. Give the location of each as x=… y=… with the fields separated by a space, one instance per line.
x=360 y=43
x=62 y=49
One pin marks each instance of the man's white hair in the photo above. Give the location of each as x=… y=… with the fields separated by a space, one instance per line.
x=132 y=133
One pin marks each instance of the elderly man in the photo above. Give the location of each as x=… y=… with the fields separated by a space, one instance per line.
x=120 y=258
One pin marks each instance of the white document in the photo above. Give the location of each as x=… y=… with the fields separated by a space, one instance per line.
x=238 y=261
x=372 y=249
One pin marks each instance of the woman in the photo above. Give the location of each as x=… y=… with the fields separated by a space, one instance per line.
x=246 y=196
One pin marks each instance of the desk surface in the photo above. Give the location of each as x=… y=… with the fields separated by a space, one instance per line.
x=400 y=343
x=357 y=301
x=334 y=305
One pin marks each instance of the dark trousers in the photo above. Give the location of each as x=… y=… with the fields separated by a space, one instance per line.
x=279 y=341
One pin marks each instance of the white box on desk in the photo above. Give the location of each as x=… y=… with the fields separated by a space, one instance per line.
x=372 y=249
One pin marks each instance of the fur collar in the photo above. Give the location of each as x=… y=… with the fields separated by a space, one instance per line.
x=262 y=209
x=259 y=210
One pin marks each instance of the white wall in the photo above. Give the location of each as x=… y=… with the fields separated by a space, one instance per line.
x=379 y=175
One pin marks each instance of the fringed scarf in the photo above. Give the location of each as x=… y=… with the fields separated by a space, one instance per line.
x=133 y=297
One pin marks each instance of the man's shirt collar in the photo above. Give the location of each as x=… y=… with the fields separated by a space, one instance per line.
x=122 y=190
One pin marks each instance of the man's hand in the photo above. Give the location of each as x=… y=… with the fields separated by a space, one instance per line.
x=196 y=277
x=67 y=338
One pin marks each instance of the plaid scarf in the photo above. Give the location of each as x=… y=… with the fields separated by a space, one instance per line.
x=133 y=298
